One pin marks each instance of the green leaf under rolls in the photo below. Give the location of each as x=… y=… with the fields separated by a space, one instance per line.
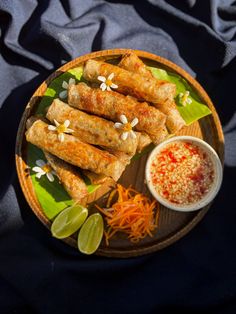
x=191 y=112
x=51 y=195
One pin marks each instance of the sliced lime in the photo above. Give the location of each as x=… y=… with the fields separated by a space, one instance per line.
x=69 y=221
x=90 y=234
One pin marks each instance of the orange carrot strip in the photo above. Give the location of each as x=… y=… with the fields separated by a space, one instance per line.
x=133 y=214
x=112 y=194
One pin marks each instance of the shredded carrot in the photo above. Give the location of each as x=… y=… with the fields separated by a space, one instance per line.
x=132 y=213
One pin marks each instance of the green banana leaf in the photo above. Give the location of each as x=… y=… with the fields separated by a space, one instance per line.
x=190 y=112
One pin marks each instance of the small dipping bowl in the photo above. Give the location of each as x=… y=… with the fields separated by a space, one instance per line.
x=184 y=173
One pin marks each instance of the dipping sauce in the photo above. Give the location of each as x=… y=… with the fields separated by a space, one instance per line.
x=182 y=173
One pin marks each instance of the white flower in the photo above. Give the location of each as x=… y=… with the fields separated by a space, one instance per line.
x=184 y=98
x=61 y=129
x=65 y=85
x=126 y=127
x=43 y=168
x=107 y=82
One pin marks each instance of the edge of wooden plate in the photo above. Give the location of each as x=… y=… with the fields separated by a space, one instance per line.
x=23 y=170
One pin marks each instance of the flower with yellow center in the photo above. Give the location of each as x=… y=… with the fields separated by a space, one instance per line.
x=43 y=168
x=126 y=127
x=107 y=83
x=184 y=98
x=66 y=85
x=61 y=129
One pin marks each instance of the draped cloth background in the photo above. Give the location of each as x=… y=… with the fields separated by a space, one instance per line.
x=39 y=274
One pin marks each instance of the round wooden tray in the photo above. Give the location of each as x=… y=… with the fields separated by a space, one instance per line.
x=172 y=224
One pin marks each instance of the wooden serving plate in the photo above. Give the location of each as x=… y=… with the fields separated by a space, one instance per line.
x=172 y=224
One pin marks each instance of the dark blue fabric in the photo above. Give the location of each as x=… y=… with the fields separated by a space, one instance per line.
x=39 y=274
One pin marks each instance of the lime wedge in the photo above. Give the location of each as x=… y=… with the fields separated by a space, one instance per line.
x=69 y=221
x=90 y=234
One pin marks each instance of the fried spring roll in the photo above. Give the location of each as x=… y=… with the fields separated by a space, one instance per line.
x=75 y=185
x=123 y=157
x=73 y=151
x=174 y=121
x=94 y=177
x=111 y=105
x=161 y=134
x=131 y=62
x=99 y=178
x=68 y=176
x=105 y=187
x=134 y=84
x=144 y=141
x=91 y=129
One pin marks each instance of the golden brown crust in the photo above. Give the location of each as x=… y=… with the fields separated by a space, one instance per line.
x=162 y=134
x=174 y=121
x=107 y=184
x=144 y=141
x=111 y=105
x=134 y=84
x=131 y=62
x=68 y=176
x=73 y=151
x=91 y=129
x=94 y=177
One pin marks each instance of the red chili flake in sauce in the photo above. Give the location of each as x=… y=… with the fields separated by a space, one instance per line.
x=182 y=173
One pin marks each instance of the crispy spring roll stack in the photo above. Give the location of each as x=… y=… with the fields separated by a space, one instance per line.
x=73 y=151
x=112 y=105
x=134 y=84
x=91 y=129
x=174 y=121
x=68 y=176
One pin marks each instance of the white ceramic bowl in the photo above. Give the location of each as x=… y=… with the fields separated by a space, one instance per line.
x=210 y=195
